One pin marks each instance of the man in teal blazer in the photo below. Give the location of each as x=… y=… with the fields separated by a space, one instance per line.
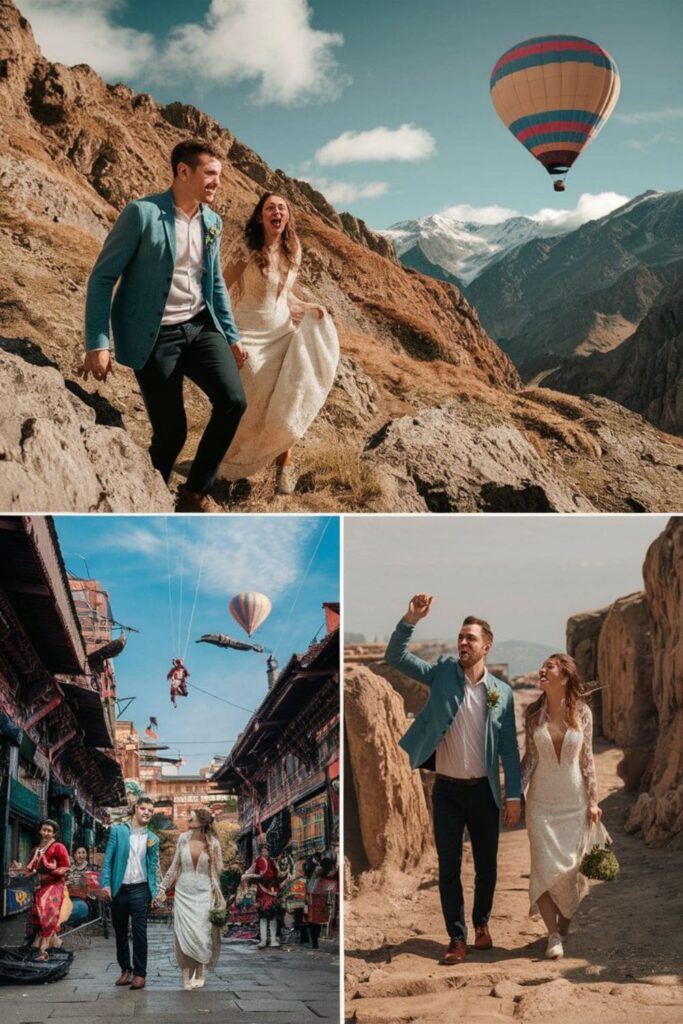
x=129 y=877
x=466 y=726
x=171 y=316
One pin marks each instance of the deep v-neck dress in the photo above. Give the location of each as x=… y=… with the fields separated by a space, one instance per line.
x=197 y=889
x=559 y=789
x=289 y=371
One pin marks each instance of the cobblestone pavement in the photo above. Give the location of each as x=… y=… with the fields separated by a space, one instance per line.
x=290 y=985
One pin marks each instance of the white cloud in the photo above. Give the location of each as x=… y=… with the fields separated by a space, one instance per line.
x=337 y=192
x=649 y=116
x=589 y=207
x=405 y=143
x=268 y=554
x=84 y=32
x=271 y=42
x=643 y=144
x=479 y=214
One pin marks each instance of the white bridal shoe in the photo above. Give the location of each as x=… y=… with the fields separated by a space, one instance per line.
x=286 y=478
x=554 y=950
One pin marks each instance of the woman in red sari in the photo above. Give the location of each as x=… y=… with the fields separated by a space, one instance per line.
x=51 y=904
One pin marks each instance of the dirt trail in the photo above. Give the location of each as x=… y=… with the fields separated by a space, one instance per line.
x=622 y=964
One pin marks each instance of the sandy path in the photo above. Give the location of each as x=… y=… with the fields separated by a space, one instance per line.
x=623 y=961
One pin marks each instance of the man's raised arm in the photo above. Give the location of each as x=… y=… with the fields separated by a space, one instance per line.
x=397 y=653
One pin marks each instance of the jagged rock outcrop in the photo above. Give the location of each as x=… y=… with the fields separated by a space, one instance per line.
x=645 y=373
x=56 y=455
x=388 y=798
x=469 y=456
x=625 y=671
x=583 y=633
x=659 y=811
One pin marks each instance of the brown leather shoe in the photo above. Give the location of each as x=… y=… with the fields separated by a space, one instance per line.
x=482 y=939
x=190 y=501
x=124 y=979
x=137 y=982
x=456 y=952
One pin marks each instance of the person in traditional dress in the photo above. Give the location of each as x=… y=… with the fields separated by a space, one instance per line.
x=49 y=862
x=265 y=872
x=80 y=876
x=195 y=873
x=292 y=346
x=178 y=676
x=558 y=772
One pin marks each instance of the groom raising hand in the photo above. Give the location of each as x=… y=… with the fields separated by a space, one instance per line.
x=467 y=724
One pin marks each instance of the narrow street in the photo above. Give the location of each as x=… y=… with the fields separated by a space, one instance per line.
x=285 y=986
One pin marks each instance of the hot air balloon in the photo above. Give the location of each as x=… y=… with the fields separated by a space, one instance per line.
x=250 y=609
x=555 y=93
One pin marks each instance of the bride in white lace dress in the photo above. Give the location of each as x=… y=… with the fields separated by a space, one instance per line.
x=291 y=345
x=195 y=871
x=562 y=800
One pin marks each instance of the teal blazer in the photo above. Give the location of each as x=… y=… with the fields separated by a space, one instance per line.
x=116 y=859
x=446 y=682
x=140 y=251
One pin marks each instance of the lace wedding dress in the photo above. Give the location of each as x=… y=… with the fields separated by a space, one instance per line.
x=556 y=810
x=197 y=890
x=290 y=369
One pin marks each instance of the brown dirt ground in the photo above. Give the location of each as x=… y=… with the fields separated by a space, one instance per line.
x=622 y=962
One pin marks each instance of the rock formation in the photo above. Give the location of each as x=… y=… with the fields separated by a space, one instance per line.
x=629 y=715
x=659 y=811
x=583 y=632
x=74 y=150
x=386 y=794
x=645 y=373
x=58 y=455
x=634 y=650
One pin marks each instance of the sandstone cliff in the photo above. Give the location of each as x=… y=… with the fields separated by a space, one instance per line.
x=384 y=795
x=74 y=150
x=634 y=650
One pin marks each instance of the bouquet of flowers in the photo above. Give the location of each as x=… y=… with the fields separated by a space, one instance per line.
x=218 y=916
x=598 y=861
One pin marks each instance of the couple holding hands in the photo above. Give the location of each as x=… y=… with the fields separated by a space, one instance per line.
x=467 y=724
x=266 y=371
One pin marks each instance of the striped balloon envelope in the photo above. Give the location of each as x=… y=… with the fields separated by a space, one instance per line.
x=555 y=93
x=250 y=609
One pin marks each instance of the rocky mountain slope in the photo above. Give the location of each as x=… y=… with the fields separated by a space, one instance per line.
x=415 y=359
x=586 y=291
x=645 y=373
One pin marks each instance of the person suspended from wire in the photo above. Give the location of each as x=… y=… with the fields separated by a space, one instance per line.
x=177 y=677
x=221 y=640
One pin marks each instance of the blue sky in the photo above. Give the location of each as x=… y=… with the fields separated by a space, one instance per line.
x=294 y=560
x=290 y=77
x=525 y=574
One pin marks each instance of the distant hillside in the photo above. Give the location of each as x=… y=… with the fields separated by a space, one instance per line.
x=582 y=292
x=522 y=656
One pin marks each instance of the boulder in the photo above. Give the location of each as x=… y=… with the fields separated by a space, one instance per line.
x=389 y=802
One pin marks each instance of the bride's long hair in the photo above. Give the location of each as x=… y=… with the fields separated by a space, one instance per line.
x=572 y=697
x=209 y=834
x=255 y=235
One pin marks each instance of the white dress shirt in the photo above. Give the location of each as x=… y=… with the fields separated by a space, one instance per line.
x=136 y=868
x=462 y=752
x=186 y=299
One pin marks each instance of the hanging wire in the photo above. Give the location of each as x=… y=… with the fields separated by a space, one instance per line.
x=303 y=580
x=196 y=589
x=180 y=599
x=170 y=600
x=222 y=699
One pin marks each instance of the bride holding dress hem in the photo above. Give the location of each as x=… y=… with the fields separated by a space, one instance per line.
x=561 y=800
x=195 y=871
x=292 y=346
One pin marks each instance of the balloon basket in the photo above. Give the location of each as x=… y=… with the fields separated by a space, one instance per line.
x=559 y=186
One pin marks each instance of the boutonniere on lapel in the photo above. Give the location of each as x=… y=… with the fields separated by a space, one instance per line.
x=151 y=843
x=211 y=235
x=492 y=699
